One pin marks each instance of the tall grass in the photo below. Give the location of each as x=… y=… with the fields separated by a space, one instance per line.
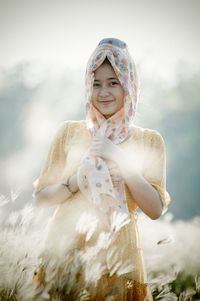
x=171 y=252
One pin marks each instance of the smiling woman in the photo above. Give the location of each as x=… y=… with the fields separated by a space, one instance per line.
x=98 y=172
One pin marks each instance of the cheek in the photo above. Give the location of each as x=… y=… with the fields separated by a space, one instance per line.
x=93 y=96
x=121 y=96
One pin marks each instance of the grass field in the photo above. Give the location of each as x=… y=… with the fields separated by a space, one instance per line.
x=171 y=251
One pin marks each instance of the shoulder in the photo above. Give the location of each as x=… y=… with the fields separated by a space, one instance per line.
x=66 y=128
x=72 y=124
x=150 y=137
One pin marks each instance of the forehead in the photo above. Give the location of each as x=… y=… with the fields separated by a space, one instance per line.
x=104 y=71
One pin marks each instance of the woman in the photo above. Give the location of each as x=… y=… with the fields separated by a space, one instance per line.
x=98 y=172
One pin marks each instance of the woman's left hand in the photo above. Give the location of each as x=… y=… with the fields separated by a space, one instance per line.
x=105 y=148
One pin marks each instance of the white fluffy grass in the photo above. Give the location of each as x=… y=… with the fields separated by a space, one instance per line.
x=169 y=247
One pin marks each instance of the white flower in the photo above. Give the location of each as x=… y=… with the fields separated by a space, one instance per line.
x=129 y=284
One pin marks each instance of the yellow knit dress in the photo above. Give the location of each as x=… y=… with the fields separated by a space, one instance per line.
x=144 y=147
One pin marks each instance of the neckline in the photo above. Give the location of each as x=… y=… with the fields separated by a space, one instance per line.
x=133 y=128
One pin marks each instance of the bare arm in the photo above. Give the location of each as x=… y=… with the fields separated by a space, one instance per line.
x=55 y=194
x=142 y=191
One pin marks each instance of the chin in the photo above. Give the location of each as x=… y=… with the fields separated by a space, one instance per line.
x=107 y=115
x=107 y=112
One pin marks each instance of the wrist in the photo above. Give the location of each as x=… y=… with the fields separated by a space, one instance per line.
x=72 y=182
x=70 y=185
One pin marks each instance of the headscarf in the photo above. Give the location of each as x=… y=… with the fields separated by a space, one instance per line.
x=94 y=179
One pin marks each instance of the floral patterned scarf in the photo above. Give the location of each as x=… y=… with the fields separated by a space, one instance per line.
x=94 y=178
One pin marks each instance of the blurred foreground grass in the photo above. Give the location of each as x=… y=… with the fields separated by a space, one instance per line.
x=171 y=251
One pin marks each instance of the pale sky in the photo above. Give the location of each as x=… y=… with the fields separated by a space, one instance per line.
x=159 y=33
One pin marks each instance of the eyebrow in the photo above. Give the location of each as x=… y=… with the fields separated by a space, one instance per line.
x=110 y=78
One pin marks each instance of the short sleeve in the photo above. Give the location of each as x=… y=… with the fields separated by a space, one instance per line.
x=52 y=170
x=155 y=165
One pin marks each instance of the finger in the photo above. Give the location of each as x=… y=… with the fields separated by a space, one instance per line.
x=94 y=141
x=96 y=148
x=99 y=139
x=95 y=153
x=97 y=144
x=113 y=172
x=93 y=149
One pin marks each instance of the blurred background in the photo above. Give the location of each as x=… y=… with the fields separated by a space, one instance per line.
x=44 y=48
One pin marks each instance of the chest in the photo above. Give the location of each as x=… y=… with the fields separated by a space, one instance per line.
x=80 y=141
x=75 y=148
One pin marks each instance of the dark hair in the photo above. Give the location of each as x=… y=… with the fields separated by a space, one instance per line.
x=106 y=61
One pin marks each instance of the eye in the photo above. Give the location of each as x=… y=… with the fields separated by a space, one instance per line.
x=96 y=85
x=114 y=83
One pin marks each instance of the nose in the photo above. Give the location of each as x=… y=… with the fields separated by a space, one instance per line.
x=103 y=92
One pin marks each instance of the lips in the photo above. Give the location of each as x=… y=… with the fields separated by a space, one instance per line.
x=105 y=101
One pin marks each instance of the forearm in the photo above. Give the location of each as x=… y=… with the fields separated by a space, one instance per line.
x=55 y=194
x=52 y=195
x=145 y=195
x=142 y=191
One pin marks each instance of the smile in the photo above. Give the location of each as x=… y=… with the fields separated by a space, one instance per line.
x=105 y=102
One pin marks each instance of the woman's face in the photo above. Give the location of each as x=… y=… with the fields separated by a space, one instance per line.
x=108 y=94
